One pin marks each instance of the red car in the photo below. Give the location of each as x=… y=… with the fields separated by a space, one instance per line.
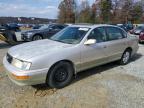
x=141 y=37
x=137 y=30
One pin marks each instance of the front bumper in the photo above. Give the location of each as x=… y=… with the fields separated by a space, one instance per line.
x=24 y=37
x=20 y=77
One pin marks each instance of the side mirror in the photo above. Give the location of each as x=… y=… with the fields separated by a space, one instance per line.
x=90 y=42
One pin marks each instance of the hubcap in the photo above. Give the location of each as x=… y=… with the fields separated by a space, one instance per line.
x=126 y=57
x=60 y=75
x=37 y=38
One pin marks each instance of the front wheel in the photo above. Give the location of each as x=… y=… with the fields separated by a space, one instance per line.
x=37 y=37
x=60 y=75
x=125 y=57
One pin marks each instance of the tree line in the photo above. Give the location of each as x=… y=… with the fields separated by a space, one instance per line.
x=101 y=11
x=25 y=20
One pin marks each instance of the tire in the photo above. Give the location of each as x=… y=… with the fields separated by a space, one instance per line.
x=11 y=38
x=37 y=37
x=125 y=57
x=60 y=75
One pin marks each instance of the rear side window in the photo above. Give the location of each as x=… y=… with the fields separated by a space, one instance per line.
x=114 y=33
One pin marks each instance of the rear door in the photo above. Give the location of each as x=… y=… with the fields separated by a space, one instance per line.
x=116 y=43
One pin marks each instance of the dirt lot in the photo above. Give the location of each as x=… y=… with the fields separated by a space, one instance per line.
x=107 y=86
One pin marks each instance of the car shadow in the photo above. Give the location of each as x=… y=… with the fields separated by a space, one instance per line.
x=141 y=43
x=41 y=87
x=90 y=72
x=81 y=75
x=103 y=68
x=96 y=70
x=136 y=57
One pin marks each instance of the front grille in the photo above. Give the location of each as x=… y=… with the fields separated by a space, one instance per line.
x=23 y=37
x=9 y=58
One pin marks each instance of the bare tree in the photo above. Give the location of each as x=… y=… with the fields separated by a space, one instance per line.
x=85 y=12
x=102 y=11
x=67 y=11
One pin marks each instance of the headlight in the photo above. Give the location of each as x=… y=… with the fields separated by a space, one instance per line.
x=21 y=64
x=29 y=33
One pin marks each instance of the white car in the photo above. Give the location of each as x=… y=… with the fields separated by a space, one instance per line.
x=76 y=48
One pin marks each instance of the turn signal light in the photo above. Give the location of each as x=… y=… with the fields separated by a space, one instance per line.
x=20 y=77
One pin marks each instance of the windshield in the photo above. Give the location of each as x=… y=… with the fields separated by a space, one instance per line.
x=70 y=35
x=140 y=28
x=44 y=27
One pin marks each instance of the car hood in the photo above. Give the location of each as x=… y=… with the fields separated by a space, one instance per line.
x=32 y=49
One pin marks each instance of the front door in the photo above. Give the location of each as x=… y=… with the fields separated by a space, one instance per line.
x=93 y=55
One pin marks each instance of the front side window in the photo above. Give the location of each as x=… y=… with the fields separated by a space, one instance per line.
x=71 y=35
x=44 y=27
x=99 y=34
x=114 y=33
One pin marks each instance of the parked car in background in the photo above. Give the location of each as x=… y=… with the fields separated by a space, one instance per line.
x=141 y=37
x=7 y=35
x=123 y=27
x=43 y=32
x=76 y=48
x=126 y=27
x=137 y=30
x=12 y=27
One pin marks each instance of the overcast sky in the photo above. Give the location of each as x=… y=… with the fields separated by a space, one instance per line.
x=31 y=8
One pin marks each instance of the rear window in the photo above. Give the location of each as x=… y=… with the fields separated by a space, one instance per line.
x=114 y=33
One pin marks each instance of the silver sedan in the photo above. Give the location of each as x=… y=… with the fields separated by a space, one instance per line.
x=76 y=48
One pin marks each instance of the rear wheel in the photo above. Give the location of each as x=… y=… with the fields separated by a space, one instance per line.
x=125 y=57
x=60 y=75
x=37 y=37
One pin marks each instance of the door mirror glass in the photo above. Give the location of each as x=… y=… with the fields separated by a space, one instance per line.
x=90 y=42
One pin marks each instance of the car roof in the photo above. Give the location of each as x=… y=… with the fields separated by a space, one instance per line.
x=92 y=26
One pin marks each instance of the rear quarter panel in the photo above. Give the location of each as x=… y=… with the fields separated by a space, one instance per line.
x=132 y=42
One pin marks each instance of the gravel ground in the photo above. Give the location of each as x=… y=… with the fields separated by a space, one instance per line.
x=107 y=86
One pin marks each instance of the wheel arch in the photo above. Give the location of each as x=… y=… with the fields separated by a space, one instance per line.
x=129 y=48
x=65 y=60
x=38 y=34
